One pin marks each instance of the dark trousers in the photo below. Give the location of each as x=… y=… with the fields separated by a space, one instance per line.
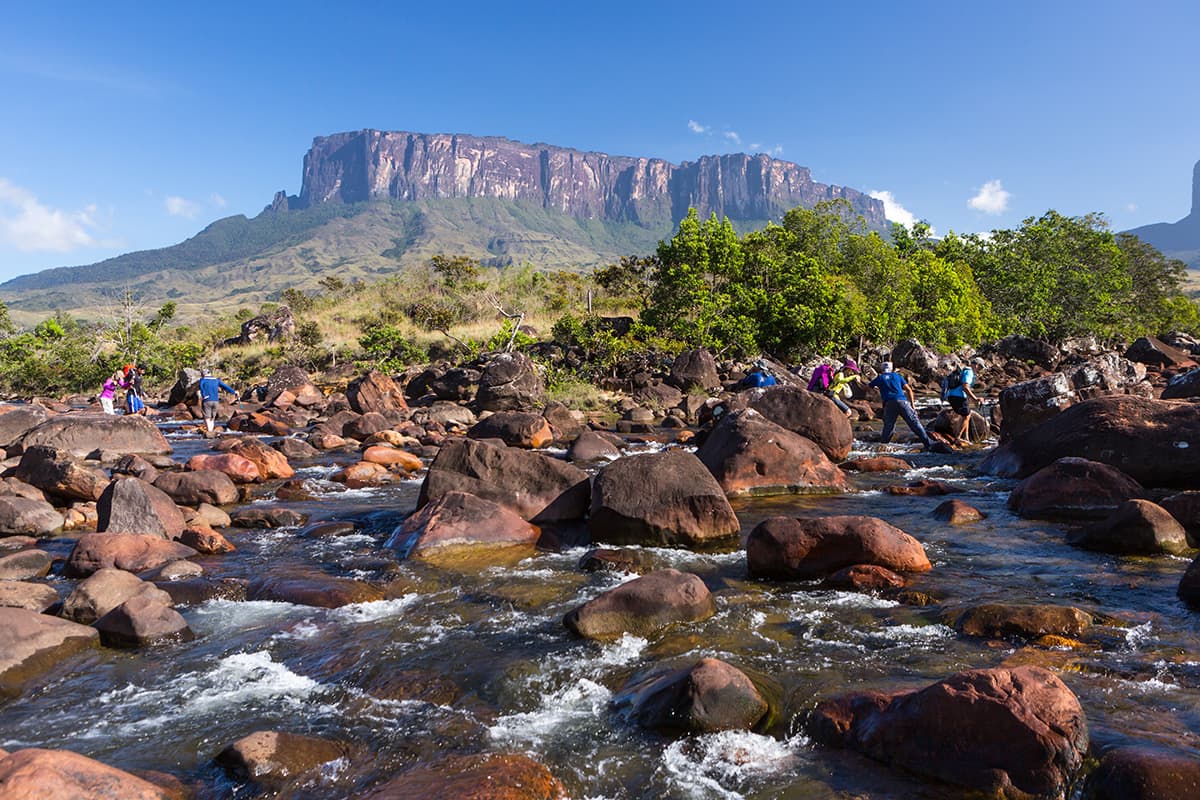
x=837 y=401
x=901 y=408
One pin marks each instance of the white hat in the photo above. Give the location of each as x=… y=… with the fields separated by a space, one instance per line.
x=885 y=366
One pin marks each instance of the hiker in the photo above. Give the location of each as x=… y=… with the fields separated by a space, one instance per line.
x=956 y=390
x=759 y=376
x=898 y=399
x=210 y=396
x=822 y=381
x=842 y=386
x=134 y=398
x=109 y=391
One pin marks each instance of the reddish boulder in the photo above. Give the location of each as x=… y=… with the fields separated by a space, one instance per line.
x=877 y=464
x=204 y=540
x=809 y=414
x=643 y=606
x=31 y=643
x=510 y=382
x=374 y=392
x=1010 y=733
x=239 y=469
x=1071 y=488
x=24 y=515
x=272 y=757
x=259 y=423
x=130 y=505
x=105 y=590
x=56 y=472
x=142 y=621
x=1025 y=405
x=1137 y=527
x=388 y=456
x=457 y=519
x=28 y=595
x=537 y=487
x=272 y=464
x=660 y=498
x=133 y=552
x=515 y=429
x=749 y=454
x=17 y=420
x=864 y=578
x=924 y=487
x=1143 y=773
x=36 y=774
x=192 y=488
x=319 y=591
x=956 y=512
x=1157 y=353
x=362 y=474
x=1005 y=620
x=808 y=548
x=80 y=435
x=24 y=564
x=708 y=696
x=486 y=776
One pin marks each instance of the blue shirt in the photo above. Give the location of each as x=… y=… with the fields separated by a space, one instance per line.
x=890 y=386
x=210 y=389
x=968 y=379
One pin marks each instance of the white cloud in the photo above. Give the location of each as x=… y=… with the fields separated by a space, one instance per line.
x=777 y=150
x=217 y=200
x=28 y=225
x=696 y=127
x=894 y=211
x=992 y=198
x=732 y=136
x=181 y=207
x=1131 y=208
x=756 y=146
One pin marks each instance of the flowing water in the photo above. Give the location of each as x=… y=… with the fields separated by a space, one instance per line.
x=494 y=669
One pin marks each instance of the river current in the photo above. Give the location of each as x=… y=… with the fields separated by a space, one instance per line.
x=499 y=672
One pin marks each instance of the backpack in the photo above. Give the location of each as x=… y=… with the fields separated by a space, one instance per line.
x=821 y=378
x=952 y=381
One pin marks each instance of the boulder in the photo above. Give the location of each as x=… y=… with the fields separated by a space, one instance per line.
x=749 y=454
x=136 y=466
x=36 y=774
x=484 y=776
x=133 y=552
x=443 y=412
x=79 y=435
x=22 y=515
x=1005 y=620
x=510 y=382
x=515 y=429
x=864 y=578
x=275 y=326
x=267 y=517
x=1157 y=353
x=1137 y=527
x=1071 y=488
x=708 y=696
x=239 y=469
x=665 y=498
x=25 y=594
x=537 y=487
x=1025 y=405
x=273 y=757
x=388 y=456
x=956 y=512
x=1182 y=386
x=142 y=621
x=103 y=591
x=186 y=388
x=658 y=396
x=362 y=474
x=295 y=449
x=877 y=464
x=1029 y=350
x=257 y=423
x=374 y=392
x=272 y=464
x=1189 y=585
x=1009 y=733
x=366 y=425
x=1143 y=773
x=562 y=421
x=31 y=643
x=643 y=606
x=204 y=540
x=1185 y=508
x=594 y=446
x=130 y=505
x=56 y=472
x=208 y=515
x=16 y=420
x=809 y=414
x=24 y=564
x=1155 y=442
x=695 y=369
x=287 y=378
x=317 y=590
x=924 y=487
x=200 y=486
x=807 y=548
x=457 y=385
x=458 y=520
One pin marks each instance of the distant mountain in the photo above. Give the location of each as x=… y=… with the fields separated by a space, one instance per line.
x=1178 y=239
x=372 y=203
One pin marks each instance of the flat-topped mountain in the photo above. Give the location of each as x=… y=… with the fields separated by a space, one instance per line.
x=1178 y=239
x=372 y=203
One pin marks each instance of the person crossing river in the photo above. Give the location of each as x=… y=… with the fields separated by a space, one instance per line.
x=897 y=396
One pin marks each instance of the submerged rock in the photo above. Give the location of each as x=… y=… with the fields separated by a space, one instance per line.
x=272 y=757
x=643 y=606
x=1137 y=527
x=1071 y=488
x=457 y=520
x=1143 y=773
x=486 y=776
x=956 y=512
x=1002 y=620
x=710 y=695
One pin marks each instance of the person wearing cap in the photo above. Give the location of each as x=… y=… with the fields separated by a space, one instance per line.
x=841 y=386
x=210 y=396
x=898 y=399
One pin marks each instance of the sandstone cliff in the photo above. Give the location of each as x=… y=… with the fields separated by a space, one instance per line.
x=397 y=165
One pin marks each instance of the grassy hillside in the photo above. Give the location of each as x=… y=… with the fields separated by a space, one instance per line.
x=243 y=262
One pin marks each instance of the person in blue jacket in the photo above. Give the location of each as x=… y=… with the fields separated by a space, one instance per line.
x=210 y=396
x=959 y=396
x=898 y=401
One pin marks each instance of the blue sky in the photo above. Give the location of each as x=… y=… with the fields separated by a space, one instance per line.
x=131 y=126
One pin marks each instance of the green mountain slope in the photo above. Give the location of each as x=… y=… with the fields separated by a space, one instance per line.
x=238 y=261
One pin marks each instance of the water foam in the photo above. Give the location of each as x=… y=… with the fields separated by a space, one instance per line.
x=355 y=613
x=575 y=705
x=709 y=765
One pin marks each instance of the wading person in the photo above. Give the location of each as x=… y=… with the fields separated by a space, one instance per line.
x=898 y=399
x=959 y=395
x=210 y=397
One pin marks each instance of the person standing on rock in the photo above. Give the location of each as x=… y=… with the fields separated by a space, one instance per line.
x=109 y=391
x=842 y=387
x=210 y=396
x=822 y=382
x=959 y=396
x=134 y=399
x=897 y=396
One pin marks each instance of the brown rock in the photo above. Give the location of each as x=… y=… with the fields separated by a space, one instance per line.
x=364 y=473
x=326 y=441
x=105 y=590
x=515 y=429
x=295 y=448
x=374 y=392
x=491 y=776
x=239 y=469
x=272 y=464
x=57 y=473
x=710 y=695
x=79 y=435
x=23 y=515
x=864 y=578
x=749 y=454
x=809 y=414
x=205 y=540
x=320 y=591
x=1189 y=585
x=24 y=564
x=1143 y=773
x=390 y=456
x=924 y=487
x=31 y=643
x=643 y=606
x=457 y=519
x=594 y=446
x=201 y=486
x=877 y=464
x=627 y=560
x=1071 y=488
x=272 y=757
x=36 y=774
x=1185 y=508
x=695 y=369
x=130 y=505
x=267 y=517
x=142 y=621
x=807 y=548
x=956 y=512
x=1004 y=620
x=510 y=382
x=133 y=552
x=1137 y=527
x=24 y=594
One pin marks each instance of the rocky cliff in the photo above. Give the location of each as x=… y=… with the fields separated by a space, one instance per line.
x=374 y=165
x=1178 y=239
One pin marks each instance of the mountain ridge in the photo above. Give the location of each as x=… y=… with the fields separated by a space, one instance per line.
x=1180 y=239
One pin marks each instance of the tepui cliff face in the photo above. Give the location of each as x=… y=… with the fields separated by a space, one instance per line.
x=397 y=165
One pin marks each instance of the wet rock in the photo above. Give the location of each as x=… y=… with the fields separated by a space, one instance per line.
x=1137 y=527
x=142 y=621
x=259 y=423
x=1007 y=732
x=57 y=472
x=237 y=468
x=208 y=515
x=375 y=392
x=515 y=429
x=272 y=757
x=130 y=505
x=456 y=520
x=869 y=578
x=364 y=473
x=490 y=776
x=24 y=564
x=272 y=464
x=603 y=558
x=710 y=695
x=592 y=446
x=388 y=456
x=695 y=369
x=21 y=515
x=562 y=422
x=326 y=441
x=1143 y=773
x=328 y=530
x=429 y=687
x=205 y=540
x=194 y=591
x=175 y=571
x=1185 y=508
x=1189 y=585
x=267 y=517
x=320 y=591
x=105 y=590
x=36 y=774
x=23 y=594
x=200 y=486
x=133 y=552
x=877 y=464
x=660 y=498
x=78 y=435
x=10 y=544
x=538 y=488
x=1071 y=488
x=643 y=606
x=1155 y=442
x=956 y=512
x=808 y=548
x=510 y=382
x=31 y=643
x=749 y=454
x=295 y=449
x=925 y=487
x=809 y=414
x=1006 y=620
x=946 y=424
